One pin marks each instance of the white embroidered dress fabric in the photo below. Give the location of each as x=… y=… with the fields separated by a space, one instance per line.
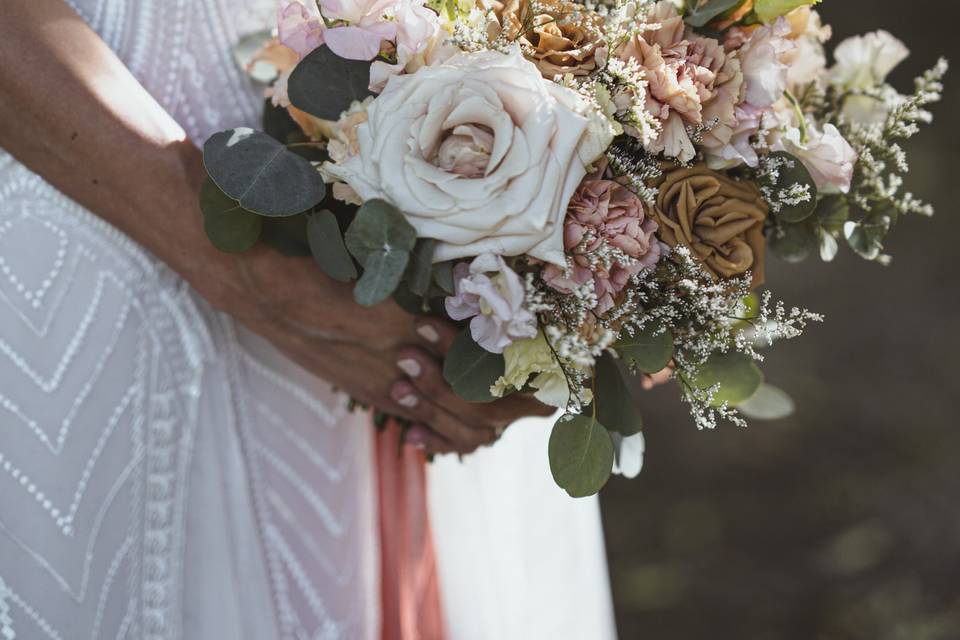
x=165 y=475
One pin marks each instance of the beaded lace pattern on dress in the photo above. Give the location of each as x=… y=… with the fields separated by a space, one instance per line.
x=119 y=389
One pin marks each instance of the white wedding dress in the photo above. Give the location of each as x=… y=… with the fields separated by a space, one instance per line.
x=165 y=475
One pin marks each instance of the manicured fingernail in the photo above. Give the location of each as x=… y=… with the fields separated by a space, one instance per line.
x=409 y=401
x=428 y=333
x=410 y=367
x=415 y=438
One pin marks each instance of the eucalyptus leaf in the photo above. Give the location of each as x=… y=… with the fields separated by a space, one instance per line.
x=581 y=455
x=471 y=370
x=277 y=123
x=866 y=236
x=794 y=242
x=326 y=245
x=832 y=212
x=698 y=15
x=443 y=277
x=261 y=173
x=382 y=272
x=616 y=408
x=793 y=172
x=230 y=227
x=737 y=374
x=410 y=302
x=419 y=274
x=287 y=235
x=379 y=227
x=866 y=241
x=649 y=350
x=324 y=85
x=767 y=403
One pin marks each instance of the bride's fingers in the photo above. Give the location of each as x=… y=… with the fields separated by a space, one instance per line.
x=420 y=407
x=437 y=335
x=425 y=373
x=422 y=437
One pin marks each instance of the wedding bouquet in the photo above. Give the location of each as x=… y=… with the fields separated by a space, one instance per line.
x=592 y=188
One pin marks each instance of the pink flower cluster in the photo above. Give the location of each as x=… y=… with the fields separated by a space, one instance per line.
x=359 y=28
x=608 y=239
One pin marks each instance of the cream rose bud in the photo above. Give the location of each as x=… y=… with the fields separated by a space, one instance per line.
x=479 y=152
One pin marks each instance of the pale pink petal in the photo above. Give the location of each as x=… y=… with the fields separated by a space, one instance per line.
x=359 y=43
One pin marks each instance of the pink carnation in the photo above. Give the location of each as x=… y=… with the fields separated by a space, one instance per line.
x=692 y=80
x=604 y=215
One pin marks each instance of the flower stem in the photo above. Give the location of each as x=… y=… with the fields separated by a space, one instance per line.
x=804 y=134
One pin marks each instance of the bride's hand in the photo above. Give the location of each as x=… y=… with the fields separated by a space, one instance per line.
x=83 y=145
x=381 y=356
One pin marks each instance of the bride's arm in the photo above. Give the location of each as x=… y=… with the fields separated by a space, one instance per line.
x=71 y=112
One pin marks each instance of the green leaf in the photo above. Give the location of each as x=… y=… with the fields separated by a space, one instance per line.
x=698 y=15
x=737 y=374
x=326 y=245
x=382 y=272
x=581 y=455
x=419 y=274
x=379 y=227
x=324 y=85
x=261 y=173
x=649 y=350
x=794 y=242
x=866 y=236
x=410 y=302
x=832 y=212
x=278 y=124
x=443 y=277
x=767 y=403
x=616 y=409
x=287 y=235
x=230 y=227
x=769 y=10
x=793 y=172
x=471 y=370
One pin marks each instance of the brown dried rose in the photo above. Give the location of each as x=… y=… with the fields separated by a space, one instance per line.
x=562 y=37
x=720 y=219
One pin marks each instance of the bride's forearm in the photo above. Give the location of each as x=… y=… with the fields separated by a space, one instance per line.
x=72 y=112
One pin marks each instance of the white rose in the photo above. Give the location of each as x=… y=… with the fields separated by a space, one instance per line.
x=864 y=62
x=479 y=152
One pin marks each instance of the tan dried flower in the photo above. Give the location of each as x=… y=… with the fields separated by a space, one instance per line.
x=559 y=37
x=719 y=218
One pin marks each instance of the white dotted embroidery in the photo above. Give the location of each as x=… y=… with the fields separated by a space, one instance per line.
x=180 y=50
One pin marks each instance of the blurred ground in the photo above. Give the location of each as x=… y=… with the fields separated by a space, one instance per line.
x=842 y=522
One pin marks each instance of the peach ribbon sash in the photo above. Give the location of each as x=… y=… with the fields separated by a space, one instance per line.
x=410 y=591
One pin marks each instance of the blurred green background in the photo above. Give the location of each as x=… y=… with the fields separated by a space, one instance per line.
x=842 y=522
